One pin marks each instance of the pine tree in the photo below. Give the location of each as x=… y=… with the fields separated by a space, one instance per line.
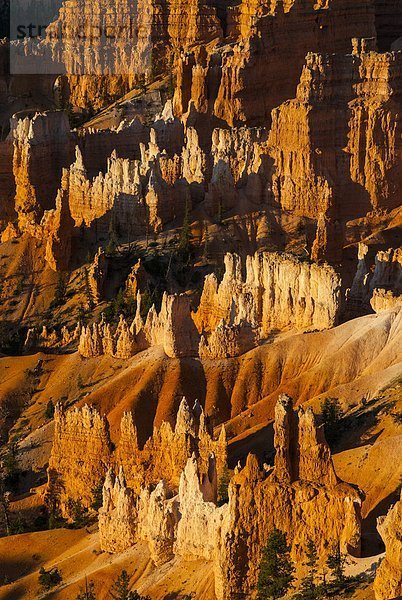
x=49 y=412
x=88 y=292
x=120 y=589
x=276 y=570
x=308 y=589
x=336 y=563
x=185 y=235
x=97 y=495
x=88 y=593
x=60 y=291
x=332 y=414
x=223 y=487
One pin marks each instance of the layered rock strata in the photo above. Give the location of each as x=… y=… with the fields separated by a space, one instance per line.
x=39 y=141
x=339 y=140
x=81 y=454
x=136 y=46
x=243 y=81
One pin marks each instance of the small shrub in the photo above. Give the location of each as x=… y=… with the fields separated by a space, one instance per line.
x=49 y=412
x=49 y=579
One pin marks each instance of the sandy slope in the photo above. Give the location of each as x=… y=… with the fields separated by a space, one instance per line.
x=77 y=555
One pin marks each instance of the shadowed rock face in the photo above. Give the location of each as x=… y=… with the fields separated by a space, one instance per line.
x=301 y=496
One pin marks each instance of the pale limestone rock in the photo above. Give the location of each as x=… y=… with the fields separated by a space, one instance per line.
x=227 y=341
x=200 y=520
x=383 y=300
x=90 y=343
x=9 y=233
x=306 y=501
x=157 y=522
x=117 y=516
x=377 y=284
x=277 y=292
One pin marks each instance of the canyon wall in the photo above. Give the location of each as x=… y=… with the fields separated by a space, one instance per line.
x=81 y=454
x=377 y=282
x=338 y=140
x=39 y=141
x=139 y=44
x=242 y=82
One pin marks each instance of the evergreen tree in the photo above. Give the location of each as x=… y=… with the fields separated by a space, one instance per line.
x=88 y=593
x=276 y=570
x=336 y=563
x=49 y=412
x=60 y=291
x=97 y=495
x=88 y=292
x=5 y=503
x=308 y=589
x=223 y=487
x=185 y=235
x=332 y=414
x=10 y=463
x=120 y=589
x=49 y=579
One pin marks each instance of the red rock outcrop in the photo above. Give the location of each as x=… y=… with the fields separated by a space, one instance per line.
x=80 y=457
x=377 y=282
x=115 y=516
x=388 y=580
x=137 y=43
x=166 y=452
x=338 y=140
x=97 y=275
x=302 y=497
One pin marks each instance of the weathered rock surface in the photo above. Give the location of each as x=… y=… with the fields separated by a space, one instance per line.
x=276 y=292
x=377 y=282
x=302 y=497
x=39 y=142
x=82 y=450
x=116 y=514
x=388 y=581
x=80 y=457
x=165 y=454
x=244 y=81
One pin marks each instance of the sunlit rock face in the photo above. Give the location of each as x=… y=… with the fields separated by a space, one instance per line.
x=301 y=496
x=388 y=581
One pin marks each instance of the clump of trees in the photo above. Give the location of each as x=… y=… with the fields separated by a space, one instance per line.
x=276 y=575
